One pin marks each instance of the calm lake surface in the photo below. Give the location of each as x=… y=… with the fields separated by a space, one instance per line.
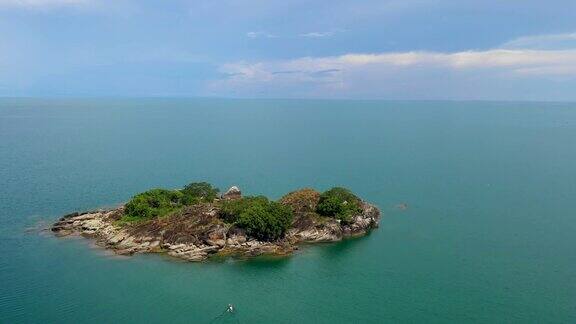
x=489 y=235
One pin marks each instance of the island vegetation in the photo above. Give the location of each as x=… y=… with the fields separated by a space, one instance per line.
x=196 y=221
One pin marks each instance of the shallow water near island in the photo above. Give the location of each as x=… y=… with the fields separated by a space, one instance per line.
x=487 y=235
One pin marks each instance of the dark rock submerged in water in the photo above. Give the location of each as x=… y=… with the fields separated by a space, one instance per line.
x=219 y=227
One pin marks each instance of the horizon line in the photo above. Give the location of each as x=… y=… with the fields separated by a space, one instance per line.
x=72 y=97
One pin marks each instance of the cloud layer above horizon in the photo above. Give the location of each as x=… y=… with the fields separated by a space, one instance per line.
x=397 y=75
x=411 y=49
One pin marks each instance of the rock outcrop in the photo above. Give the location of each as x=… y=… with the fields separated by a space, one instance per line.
x=196 y=232
x=232 y=193
x=311 y=228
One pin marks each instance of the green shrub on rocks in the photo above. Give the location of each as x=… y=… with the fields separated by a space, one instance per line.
x=266 y=221
x=261 y=218
x=160 y=202
x=231 y=209
x=339 y=203
x=153 y=203
x=196 y=192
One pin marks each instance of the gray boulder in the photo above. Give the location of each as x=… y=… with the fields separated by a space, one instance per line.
x=232 y=193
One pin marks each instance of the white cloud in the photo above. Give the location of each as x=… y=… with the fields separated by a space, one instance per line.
x=387 y=74
x=550 y=41
x=36 y=4
x=317 y=34
x=260 y=34
x=504 y=60
x=264 y=34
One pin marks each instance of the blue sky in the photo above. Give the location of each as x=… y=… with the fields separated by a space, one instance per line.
x=387 y=49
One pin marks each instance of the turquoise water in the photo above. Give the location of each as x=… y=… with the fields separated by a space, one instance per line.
x=488 y=235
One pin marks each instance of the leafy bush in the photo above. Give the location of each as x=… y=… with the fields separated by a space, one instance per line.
x=231 y=209
x=266 y=221
x=153 y=203
x=196 y=192
x=261 y=218
x=339 y=203
x=160 y=202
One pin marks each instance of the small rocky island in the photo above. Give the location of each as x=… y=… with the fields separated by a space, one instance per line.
x=196 y=222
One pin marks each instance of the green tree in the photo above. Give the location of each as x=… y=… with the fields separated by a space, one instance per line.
x=266 y=221
x=153 y=203
x=196 y=192
x=339 y=203
x=231 y=209
x=261 y=218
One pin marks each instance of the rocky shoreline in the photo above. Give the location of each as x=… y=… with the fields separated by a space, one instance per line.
x=197 y=232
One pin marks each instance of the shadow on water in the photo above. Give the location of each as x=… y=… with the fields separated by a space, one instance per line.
x=341 y=249
x=263 y=263
x=268 y=263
